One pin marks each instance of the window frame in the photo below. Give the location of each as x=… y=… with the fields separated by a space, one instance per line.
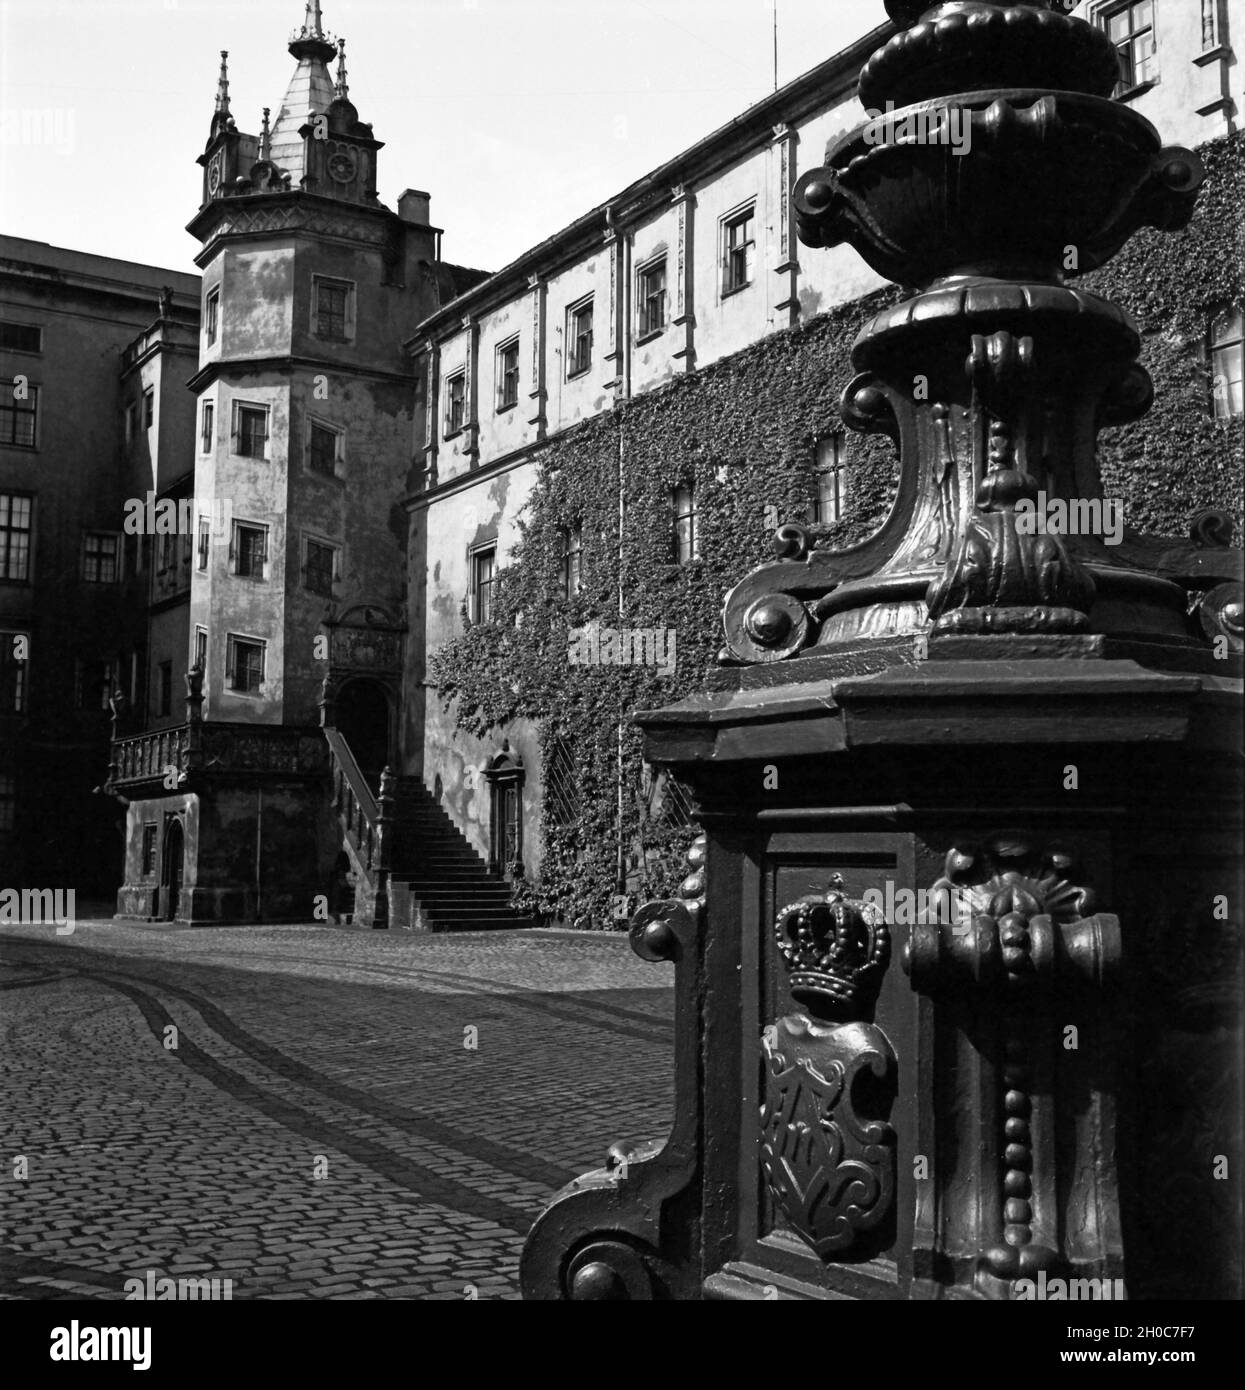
x=1129 y=85
x=18 y=323
x=211 y=315
x=1234 y=316
x=577 y=364
x=837 y=469
x=334 y=550
x=478 y=612
x=744 y=215
x=507 y=377
x=645 y=298
x=201 y=646
x=686 y=537
x=18 y=702
x=11 y=407
x=240 y=407
x=572 y=561
x=456 y=378
x=207 y=426
x=87 y=538
x=236 y=550
x=8 y=530
x=349 y=288
x=149 y=848
x=314 y=423
x=233 y=640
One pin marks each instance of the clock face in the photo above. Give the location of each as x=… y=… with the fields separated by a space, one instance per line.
x=214 y=174
x=341 y=168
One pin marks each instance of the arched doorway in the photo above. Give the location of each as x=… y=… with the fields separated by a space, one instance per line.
x=505 y=775
x=363 y=720
x=174 y=868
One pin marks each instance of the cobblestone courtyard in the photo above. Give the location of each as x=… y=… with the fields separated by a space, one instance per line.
x=322 y=1126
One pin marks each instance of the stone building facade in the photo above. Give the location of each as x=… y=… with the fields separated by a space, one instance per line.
x=352 y=432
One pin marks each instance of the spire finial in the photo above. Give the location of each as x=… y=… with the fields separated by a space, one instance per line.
x=343 y=89
x=222 y=84
x=311 y=22
x=265 y=138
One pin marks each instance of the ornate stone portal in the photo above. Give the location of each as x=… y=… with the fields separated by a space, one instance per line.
x=990 y=718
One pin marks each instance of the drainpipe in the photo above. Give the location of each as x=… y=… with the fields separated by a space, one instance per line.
x=620 y=875
x=259 y=855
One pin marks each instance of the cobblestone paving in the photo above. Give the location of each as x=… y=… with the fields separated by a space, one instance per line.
x=296 y=1109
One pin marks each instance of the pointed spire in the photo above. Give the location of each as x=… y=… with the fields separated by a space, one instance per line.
x=312 y=28
x=265 y=138
x=310 y=41
x=222 y=85
x=343 y=89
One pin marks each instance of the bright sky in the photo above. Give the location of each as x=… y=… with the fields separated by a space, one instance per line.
x=516 y=115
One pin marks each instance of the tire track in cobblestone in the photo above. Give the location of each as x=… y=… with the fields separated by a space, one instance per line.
x=396 y=1168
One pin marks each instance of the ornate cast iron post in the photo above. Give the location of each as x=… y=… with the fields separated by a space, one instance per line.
x=973 y=727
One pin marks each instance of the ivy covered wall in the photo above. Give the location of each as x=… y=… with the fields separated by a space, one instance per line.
x=744 y=433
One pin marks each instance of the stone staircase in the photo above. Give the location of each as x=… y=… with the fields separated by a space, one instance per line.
x=412 y=867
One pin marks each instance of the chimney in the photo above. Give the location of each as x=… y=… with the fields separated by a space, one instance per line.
x=413 y=206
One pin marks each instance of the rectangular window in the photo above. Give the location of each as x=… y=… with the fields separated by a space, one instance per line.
x=651 y=297
x=572 y=559
x=19 y=416
x=149 y=409
x=1226 y=363
x=579 y=338
x=483 y=565
x=149 y=849
x=16 y=521
x=455 y=403
x=320 y=568
x=1130 y=28
x=324 y=448
x=250 y=430
x=738 y=251
x=96 y=682
x=508 y=375
x=208 y=432
x=831 y=500
x=8 y=801
x=333 y=317
x=201 y=647
x=205 y=541
x=245 y=664
x=20 y=337
x=250 y=550
x=101 y=555
x=686 y=530
x=13 y=671
x=211 y=314
x=164 y=692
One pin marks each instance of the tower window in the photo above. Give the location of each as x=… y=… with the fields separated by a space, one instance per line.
x=579 y=338
x=320 y=568
x=830 y=503
x=1130 y=27
x=250 y=430
x=201 y=640
x=245 y=664
x=483 y=577
x=19 y=416
x=205 y=541
x=209 y=427
x=16 y=519
x=738 y=250
x=686 y=530
x=149 y=408
x=334 y=309
x=211 y=314
x=324 y=448
x=455 y=403
x=250 y=550
x=651 y=297
x=1226 y=362
x=100 y=556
